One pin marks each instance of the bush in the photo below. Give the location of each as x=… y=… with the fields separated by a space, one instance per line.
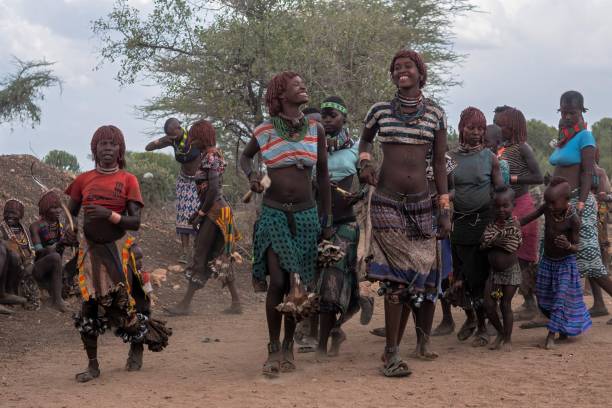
x=62 y=160
x=160 y=186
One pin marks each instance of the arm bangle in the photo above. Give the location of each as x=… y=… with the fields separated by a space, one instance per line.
x=114 y=218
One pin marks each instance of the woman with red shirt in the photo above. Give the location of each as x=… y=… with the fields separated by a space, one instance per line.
x=111 y=199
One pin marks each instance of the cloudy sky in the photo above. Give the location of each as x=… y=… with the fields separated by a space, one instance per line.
x=523 y=53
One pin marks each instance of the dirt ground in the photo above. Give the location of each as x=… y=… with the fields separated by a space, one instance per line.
x=214 y=360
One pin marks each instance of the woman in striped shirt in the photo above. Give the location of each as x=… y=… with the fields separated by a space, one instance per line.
x=524 y=171
x=287 y=229
x=404 y=245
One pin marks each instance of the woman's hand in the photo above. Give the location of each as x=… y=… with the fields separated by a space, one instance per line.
x=95 y=212
x=444 y=226
x=255 y=183
x=562 y=242
x=367 y=174
x=69 y=237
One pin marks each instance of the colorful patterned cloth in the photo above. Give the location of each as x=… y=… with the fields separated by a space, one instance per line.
x=404 y=246
x=559 y=294
x=296 y=253
x=337 y=285
x=220 y=263
x=588 y=257
x=187 y=202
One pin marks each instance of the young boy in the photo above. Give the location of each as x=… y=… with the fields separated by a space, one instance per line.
x=558 y=286
x=502 y=237
x=49 y=242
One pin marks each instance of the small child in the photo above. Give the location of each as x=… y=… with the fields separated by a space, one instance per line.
x=558 y=286
x=502 y=237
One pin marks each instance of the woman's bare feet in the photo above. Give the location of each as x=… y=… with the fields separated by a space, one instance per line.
x=507 y=346
x=444 y=328
x=497 y=342
x=180 y=309
x=61 y=306
x=337 y=338
x=92 y=371
x=235 y=308
x=549 y=344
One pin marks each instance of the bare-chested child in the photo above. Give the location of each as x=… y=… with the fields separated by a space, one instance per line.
x=502 y=237
x=558 y=286
x=49 y=242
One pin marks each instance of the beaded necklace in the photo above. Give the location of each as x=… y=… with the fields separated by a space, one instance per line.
x=112 y=170
x=182 y=143
x=289 y=130
x=400 y=102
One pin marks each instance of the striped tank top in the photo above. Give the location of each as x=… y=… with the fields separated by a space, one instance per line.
x=392 y=129
x=278 y=152
x=516 y=163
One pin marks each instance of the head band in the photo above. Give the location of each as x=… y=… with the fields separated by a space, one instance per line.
x=336 y=106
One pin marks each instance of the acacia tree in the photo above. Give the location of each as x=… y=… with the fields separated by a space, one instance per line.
x=62 y=160
x=216 y=63
x=22 y=91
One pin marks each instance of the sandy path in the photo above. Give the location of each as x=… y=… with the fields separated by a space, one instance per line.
x=39 y=372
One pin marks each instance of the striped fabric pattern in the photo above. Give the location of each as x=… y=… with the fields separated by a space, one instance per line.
x=516 y=163
x=392 y=129
x=278 y=152
x=559 y=294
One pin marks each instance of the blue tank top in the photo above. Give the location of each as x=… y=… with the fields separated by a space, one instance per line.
x=569 y=154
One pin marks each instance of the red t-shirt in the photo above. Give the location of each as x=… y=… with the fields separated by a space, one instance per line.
x=111 y=191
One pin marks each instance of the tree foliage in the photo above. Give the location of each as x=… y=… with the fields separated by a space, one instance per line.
x=216 y=63
x=62 y=160
x=603 y=133
x=22 y=91
x=159 y=186
x=539 y=137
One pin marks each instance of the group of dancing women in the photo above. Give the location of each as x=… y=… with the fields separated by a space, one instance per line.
x=459 y=226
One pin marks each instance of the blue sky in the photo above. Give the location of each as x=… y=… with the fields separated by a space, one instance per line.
x=523 y=53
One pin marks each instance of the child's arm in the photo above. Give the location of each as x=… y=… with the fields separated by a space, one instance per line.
x=571 y=244
x=533 y=216
x=574 y=234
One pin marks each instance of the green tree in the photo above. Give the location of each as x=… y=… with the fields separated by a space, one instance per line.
x=156 y=173
x=539 y=136
x=602 y=130
x=22 y=91
x=216 y=63
x=62 y=160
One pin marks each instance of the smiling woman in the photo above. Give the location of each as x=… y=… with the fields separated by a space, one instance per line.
x=409 y=127
x=287 y=230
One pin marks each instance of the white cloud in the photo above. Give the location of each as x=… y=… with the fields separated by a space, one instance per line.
x=526 y=53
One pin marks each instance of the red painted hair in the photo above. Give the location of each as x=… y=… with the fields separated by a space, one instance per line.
x=109 y=132
x=474 y=116
x=276 y=86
